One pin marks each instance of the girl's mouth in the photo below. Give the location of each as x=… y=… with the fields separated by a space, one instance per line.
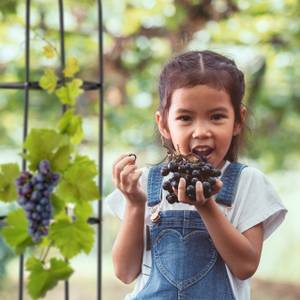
x=203 y=151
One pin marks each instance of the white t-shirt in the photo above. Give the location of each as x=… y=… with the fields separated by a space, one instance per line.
x=255 y=201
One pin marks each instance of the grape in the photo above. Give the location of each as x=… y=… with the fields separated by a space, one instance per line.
x=44 y=167
x=34 y=194
x=167 y=186
x=192 y=170
x=165 y=171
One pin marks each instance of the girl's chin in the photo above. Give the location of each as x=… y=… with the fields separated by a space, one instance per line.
x=220 y=165
x=214 y=163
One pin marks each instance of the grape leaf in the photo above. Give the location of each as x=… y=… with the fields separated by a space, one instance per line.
x=77 y=184
x=44 y=144
x=15 y=231
x=71 y=124
x=42 y=279
x=8 y=176
x=72 y=67
x=57 y=203
x=48 y=81
x=60 y=159
x=67 y=94
x=71 y=238
x=83 y=210
x=49 y=51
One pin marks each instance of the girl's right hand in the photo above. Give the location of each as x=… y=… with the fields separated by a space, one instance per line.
x=126 y=178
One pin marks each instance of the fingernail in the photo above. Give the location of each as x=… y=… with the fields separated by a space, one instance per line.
x=132 y=155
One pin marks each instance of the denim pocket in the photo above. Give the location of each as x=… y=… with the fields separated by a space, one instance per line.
x=184 y=260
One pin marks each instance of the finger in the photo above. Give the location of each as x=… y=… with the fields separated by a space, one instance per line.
x=124 y=174
x=218 y=184
x=130 y=185
x=132 y=154
x=118 y=159
x=182 y=190
x=217 y=187
x=121 y=165
x=199 y=192
x=116 y=162
x=121 y=158
x=134 y=177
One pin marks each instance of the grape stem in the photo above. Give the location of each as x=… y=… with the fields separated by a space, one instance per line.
x=172 y=153
x=46 y=253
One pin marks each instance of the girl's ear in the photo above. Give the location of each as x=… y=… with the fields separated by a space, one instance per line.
x=238 y=125
x=161 y=127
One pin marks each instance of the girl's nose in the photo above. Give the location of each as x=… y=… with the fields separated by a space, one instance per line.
x=201 y=131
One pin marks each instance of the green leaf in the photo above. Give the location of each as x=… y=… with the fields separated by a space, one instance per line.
x=67 y=94
x=48 y=81
x=57 y=203
x=45 y=144
x=71 y=238
x=77 y=184
x=71 y=125
x=8 y=176
x=83 y=210
x=49 y=51
x=60 y=159
x=15 y=231
x=42 y=279
x=72 y=67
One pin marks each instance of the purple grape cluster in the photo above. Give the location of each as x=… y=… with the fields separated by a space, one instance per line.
x=192 y=170
x=34 y=193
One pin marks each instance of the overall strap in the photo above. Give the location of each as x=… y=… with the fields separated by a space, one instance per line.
x=154 y=185
x=230 y=179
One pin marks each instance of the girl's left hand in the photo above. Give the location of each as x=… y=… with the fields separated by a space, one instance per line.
x=200 y=199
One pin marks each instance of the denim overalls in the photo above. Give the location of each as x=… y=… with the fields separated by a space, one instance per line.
x=185 y=262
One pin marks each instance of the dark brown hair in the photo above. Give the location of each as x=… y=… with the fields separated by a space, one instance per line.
x=208 y=68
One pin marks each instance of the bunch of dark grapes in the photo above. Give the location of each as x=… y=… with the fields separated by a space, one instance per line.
x=192 y=170
x=34 y=193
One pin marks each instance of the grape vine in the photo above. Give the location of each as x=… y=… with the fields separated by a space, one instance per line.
x=58 y=177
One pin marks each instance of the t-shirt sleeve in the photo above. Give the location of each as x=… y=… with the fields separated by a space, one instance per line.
x=115 y=202
x=257 y=201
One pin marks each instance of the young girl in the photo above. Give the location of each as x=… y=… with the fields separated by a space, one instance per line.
x=206 y=249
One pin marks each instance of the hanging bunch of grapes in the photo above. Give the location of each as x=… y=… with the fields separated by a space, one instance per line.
x=34 y=193
x=192 y=168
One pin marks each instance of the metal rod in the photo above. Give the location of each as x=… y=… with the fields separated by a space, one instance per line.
x=62 y=66
x=25 y=126
x=100 y=158
x=62 y=44
x=34 y=85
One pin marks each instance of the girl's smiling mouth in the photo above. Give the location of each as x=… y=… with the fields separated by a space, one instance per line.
x=202 y=150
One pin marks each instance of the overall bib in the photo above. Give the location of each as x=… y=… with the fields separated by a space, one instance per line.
x=185 y=262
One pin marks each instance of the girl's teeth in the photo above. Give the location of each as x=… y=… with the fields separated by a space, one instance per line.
x=202 y=152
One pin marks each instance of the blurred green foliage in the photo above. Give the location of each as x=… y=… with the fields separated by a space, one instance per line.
x=263 y=37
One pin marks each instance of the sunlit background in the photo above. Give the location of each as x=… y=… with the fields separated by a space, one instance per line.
x=263 y=37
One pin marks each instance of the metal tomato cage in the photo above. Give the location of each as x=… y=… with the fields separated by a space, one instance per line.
x=28 y=85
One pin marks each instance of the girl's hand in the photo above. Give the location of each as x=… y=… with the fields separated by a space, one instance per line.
x=200 y=199
x=126 y=178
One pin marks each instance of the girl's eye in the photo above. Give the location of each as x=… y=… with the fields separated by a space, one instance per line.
x=184 y=118
x=218 y=117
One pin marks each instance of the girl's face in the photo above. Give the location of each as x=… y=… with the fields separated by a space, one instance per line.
x=200 y=120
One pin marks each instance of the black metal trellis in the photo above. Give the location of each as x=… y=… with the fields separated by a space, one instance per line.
x=28 y=85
